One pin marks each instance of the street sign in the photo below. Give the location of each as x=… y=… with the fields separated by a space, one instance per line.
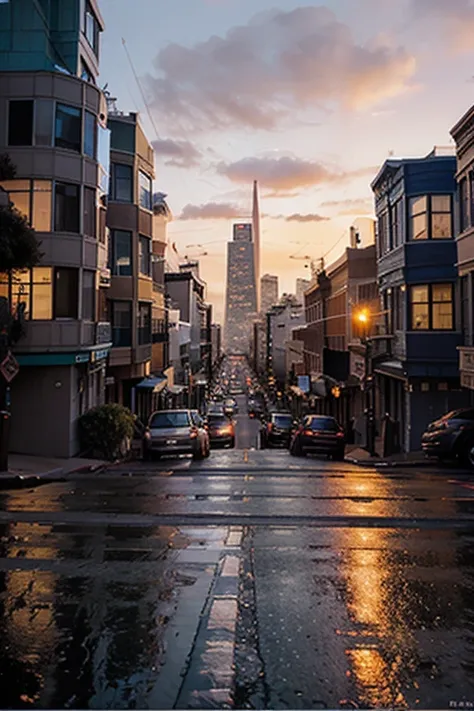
x=9 y=367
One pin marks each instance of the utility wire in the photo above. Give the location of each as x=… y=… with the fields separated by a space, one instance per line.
x=145 y=102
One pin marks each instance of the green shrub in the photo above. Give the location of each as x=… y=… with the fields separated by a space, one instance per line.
x=104 y=428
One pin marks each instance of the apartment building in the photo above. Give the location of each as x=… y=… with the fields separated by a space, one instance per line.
x=347 y=285
x=463 y=134
x=416 y=366
x=53 y=125
x=130 y=223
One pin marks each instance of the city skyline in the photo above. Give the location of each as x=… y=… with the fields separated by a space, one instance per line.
x=314 y=146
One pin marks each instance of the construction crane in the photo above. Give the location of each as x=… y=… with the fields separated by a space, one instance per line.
x=316 y=265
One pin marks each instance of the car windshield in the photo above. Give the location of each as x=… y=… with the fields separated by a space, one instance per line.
x=282 y=420
x=323 y=423
x=163 y=420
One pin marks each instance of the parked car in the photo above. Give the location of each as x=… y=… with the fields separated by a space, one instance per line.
x=277 y=431
x=319 y=434
x=176 y=432
x=221 y=431
x=215 y=408
x=451 y=436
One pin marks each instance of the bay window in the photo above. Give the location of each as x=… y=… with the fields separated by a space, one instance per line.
x=432 y=307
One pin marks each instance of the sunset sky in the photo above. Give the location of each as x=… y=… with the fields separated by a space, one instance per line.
x=307 y=98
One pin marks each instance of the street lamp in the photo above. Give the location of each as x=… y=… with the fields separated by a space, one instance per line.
x=362 y=321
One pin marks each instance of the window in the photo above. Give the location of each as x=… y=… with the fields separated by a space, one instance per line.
x=146 y=190
x=91 y=29
x=384 y=233
x=144 y=255
x=471 y=194
x=441 y=227
x=398 y=308
x=167 y=420
x=432 y=307
x=90 y=135
x=90 y=212
x=419 y=217
x=86 y=74
x=88 y=295
x=121 y=185
x=66 y=208
x=121 y=253
x=144 y=324
x=21 y=291
x=42 y=199
x=19 y=193
x=463 y=205
x=68 y=128
x=465 y=310
x=66 y=283
x=397 y=225
x=121 y=315
x=36 y=205
x=102 y=225
x=442 y=312
x=42 y=294
x=20 y=123
x=44 y=122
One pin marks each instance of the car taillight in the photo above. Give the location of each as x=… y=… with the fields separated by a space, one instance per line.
x=340 y=434
x=308 y=433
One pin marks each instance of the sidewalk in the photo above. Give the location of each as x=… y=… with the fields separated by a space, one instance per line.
x=356 y=455
x=26 y=470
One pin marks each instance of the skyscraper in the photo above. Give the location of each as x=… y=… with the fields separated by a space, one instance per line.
x=256 y=239
x=268 y=292
x=241 y=293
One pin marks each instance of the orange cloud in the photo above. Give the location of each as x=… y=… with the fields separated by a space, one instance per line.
x=212 y=211
x=261 y=74
x=286 y=173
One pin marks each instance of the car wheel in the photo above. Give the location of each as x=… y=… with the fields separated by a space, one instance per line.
x=470 y=454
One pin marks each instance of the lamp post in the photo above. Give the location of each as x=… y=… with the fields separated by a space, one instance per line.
x=363 y=320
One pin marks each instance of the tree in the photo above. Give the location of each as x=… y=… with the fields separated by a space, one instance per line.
x=19 y=250
x=19 y=246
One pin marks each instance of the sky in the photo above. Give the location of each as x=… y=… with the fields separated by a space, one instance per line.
x=307 y=98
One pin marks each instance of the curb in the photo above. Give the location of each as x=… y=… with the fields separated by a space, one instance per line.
x=21 y=481
x=377 y=463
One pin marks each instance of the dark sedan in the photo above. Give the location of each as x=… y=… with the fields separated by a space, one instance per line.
x=451 y=436
x=221 y=431
x=319 y=434
x=278 y=430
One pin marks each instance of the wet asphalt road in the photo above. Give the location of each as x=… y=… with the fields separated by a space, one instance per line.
x=250 y=579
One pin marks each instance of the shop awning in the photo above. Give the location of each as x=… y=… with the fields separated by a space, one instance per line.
x=153 y=384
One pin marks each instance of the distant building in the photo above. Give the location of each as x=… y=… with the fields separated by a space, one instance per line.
x=281 y=321
x=301 y=286
x=268 y=292
x=241 y=290
x=216 y=342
